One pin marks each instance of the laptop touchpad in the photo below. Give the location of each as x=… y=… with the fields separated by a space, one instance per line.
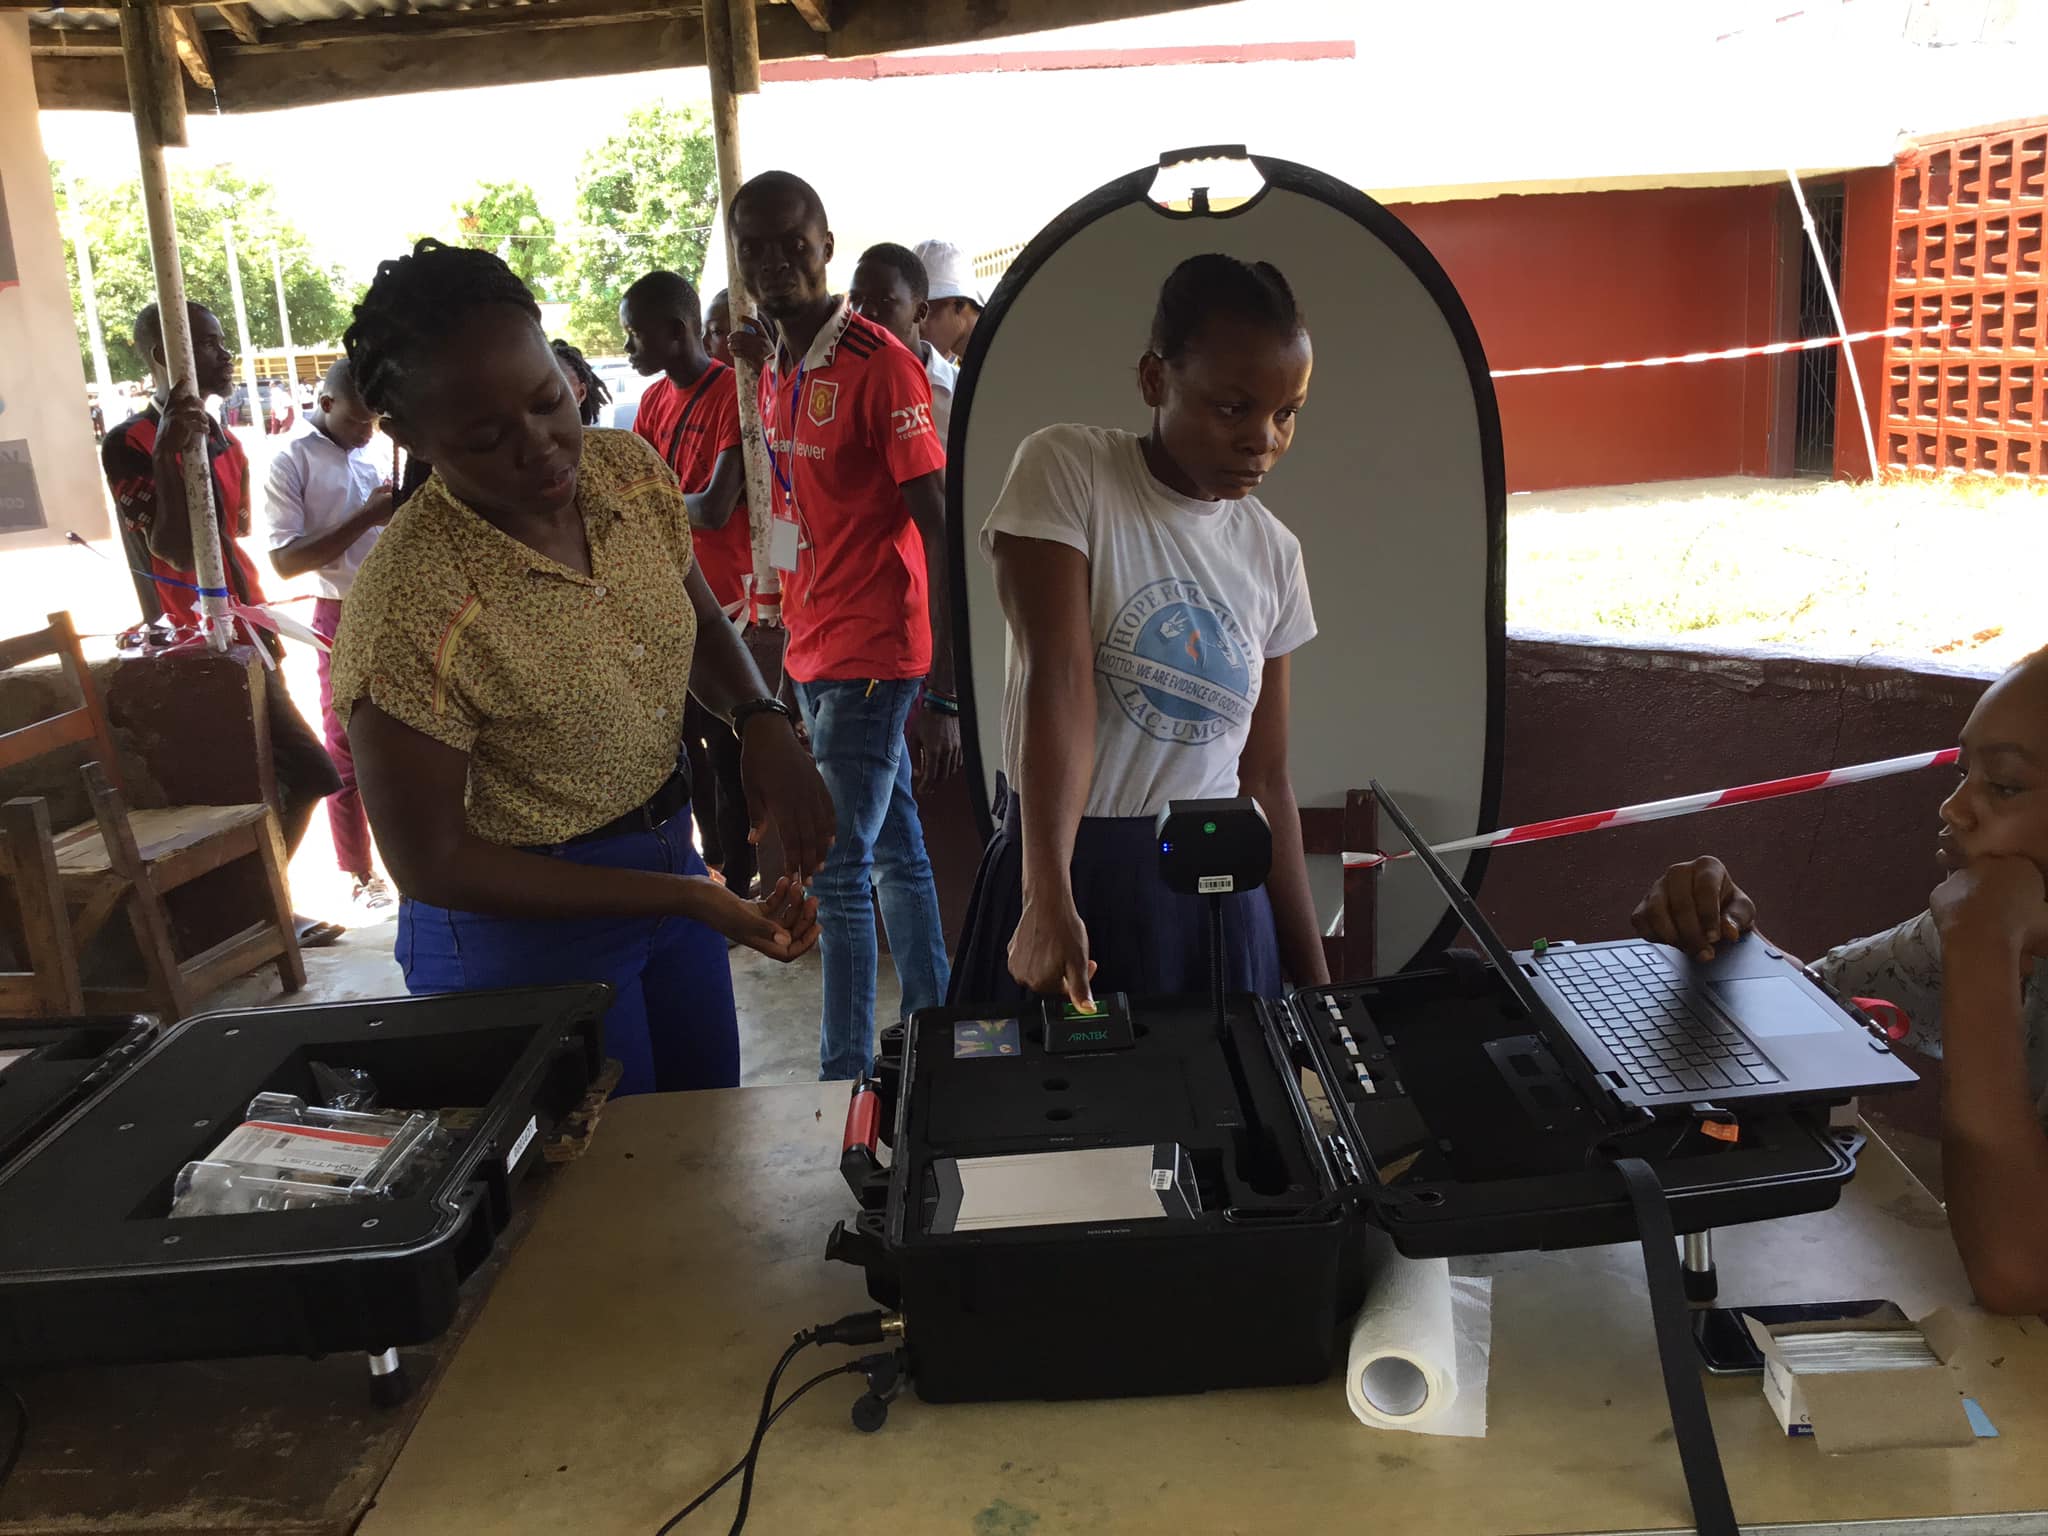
x=1770 y=1006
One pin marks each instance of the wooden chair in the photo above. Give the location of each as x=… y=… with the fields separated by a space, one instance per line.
x=41 y=932
x=129 y=861
x=1351 y=828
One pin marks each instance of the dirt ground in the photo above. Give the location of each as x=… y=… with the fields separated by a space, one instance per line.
x=1919 y=568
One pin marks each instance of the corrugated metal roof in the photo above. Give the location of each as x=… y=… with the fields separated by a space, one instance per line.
x=291 y=13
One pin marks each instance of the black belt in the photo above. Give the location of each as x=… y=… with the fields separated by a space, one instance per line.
x=661 y=807
x=1705 y=1482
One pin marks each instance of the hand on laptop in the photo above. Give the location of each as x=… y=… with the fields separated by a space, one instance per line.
x=1694 y=907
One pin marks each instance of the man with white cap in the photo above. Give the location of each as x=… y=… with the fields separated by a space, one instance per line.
x=956 y=297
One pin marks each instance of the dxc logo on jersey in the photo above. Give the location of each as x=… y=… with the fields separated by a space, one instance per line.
x=1177 y=663
x=912 y=420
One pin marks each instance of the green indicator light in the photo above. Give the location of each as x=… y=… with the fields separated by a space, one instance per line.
x=1209 y=827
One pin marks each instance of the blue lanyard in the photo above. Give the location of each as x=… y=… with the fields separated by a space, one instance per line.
x=787 y=481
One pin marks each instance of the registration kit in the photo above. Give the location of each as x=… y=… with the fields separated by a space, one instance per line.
x=272 y=1181
x=1174 y=1194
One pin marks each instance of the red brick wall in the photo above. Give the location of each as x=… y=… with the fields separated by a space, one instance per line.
x=1594 y=276
x=1968 y=252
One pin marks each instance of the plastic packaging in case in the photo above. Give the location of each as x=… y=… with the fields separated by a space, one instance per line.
x=288 y=1155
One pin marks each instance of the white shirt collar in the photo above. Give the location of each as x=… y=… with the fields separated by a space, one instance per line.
x=824 y=344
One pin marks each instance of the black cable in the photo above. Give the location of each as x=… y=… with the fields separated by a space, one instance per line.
x=20 y=1441
x=752 y=1459
x=856 y=1328
x=851 y=1368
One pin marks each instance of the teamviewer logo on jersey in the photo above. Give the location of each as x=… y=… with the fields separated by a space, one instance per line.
x=1178 y=664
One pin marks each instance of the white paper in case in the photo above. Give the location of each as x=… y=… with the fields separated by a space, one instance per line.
x=1420 y=1348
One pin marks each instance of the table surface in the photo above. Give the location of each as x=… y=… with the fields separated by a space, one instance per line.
x=277 y=1446
x=619 y=1362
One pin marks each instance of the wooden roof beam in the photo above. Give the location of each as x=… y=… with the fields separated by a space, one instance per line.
x=430 y=27
x=817 y=12
x=454 y=50
x=241 y=21
x=192 y=53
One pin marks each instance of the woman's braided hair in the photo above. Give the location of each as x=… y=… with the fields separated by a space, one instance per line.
x=413 y=305
x=596 y=396
x=1204 y=287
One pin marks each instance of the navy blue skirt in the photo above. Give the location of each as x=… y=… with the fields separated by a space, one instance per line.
x=1144 y=939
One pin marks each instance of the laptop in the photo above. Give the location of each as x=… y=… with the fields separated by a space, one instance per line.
x=1655 y=1028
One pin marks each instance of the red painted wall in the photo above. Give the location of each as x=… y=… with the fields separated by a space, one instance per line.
x=1593 y=276
x=1866 y=279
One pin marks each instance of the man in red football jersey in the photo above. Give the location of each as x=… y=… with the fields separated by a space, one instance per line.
x=860 y=540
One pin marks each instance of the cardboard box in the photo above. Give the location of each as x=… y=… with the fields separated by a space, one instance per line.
x=1891 y=1409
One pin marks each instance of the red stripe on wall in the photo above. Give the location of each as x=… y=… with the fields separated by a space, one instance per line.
x=890 y=66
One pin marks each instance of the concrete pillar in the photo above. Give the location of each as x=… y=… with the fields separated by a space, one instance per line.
x=49 y=469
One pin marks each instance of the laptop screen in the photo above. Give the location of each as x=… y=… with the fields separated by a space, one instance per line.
x=1462 y=903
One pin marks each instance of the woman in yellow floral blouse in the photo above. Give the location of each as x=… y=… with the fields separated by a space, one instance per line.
x=512 y=666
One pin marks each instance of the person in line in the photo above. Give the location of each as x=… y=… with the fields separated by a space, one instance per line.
x=889 y=287
x=511 y=669
x=591 y=394
x=326 y=500
x=718 y=327
x=691 y=415
x=1154 y=605
x=955 y=295
x=1971 y=974
x=860 y=474
x=143 y=459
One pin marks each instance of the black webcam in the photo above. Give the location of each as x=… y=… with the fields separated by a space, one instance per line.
x=1214 y=847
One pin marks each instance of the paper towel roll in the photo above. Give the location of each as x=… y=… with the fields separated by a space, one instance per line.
x=1403 y=1370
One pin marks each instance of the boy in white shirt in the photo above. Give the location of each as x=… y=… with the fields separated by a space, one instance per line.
x=325 y=501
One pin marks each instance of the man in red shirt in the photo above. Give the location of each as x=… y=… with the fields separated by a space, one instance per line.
x=861 y=536
x=691 y=415
x=144 y=462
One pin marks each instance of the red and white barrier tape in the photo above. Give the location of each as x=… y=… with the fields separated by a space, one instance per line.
x=1768 y=349
x=1683 y=805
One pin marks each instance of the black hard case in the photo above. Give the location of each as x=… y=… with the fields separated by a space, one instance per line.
x=94 y=1269
x=1259 y=1289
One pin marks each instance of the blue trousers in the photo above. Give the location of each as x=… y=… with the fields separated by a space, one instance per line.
x=672 y=1024
x=857 y=738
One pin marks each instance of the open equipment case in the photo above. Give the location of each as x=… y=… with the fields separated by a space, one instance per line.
x=1254 y=1281
x=99 y=1116
x=1174 y=1199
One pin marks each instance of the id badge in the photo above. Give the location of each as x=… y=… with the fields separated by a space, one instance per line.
x=782 y=545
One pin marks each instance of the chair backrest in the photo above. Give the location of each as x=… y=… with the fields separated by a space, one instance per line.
x=87 y=723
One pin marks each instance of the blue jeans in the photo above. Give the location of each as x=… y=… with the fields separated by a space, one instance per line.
x=857 y=738
x=672 y=1023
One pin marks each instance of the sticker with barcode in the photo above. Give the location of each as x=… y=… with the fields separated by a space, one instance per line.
x=1162 y=1179
x=525 y=1140
x=1216 y=885
x=304 y=1148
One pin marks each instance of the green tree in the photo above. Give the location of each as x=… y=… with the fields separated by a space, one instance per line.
x=645 y=199
x=505 y=217
x=319 y=297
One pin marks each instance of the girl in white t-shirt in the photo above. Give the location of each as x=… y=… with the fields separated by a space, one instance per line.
x=1153 y=604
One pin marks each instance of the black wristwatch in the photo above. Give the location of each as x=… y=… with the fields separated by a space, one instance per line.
x=742 y=713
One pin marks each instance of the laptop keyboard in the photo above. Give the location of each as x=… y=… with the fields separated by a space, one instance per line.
x=1663 y=1042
